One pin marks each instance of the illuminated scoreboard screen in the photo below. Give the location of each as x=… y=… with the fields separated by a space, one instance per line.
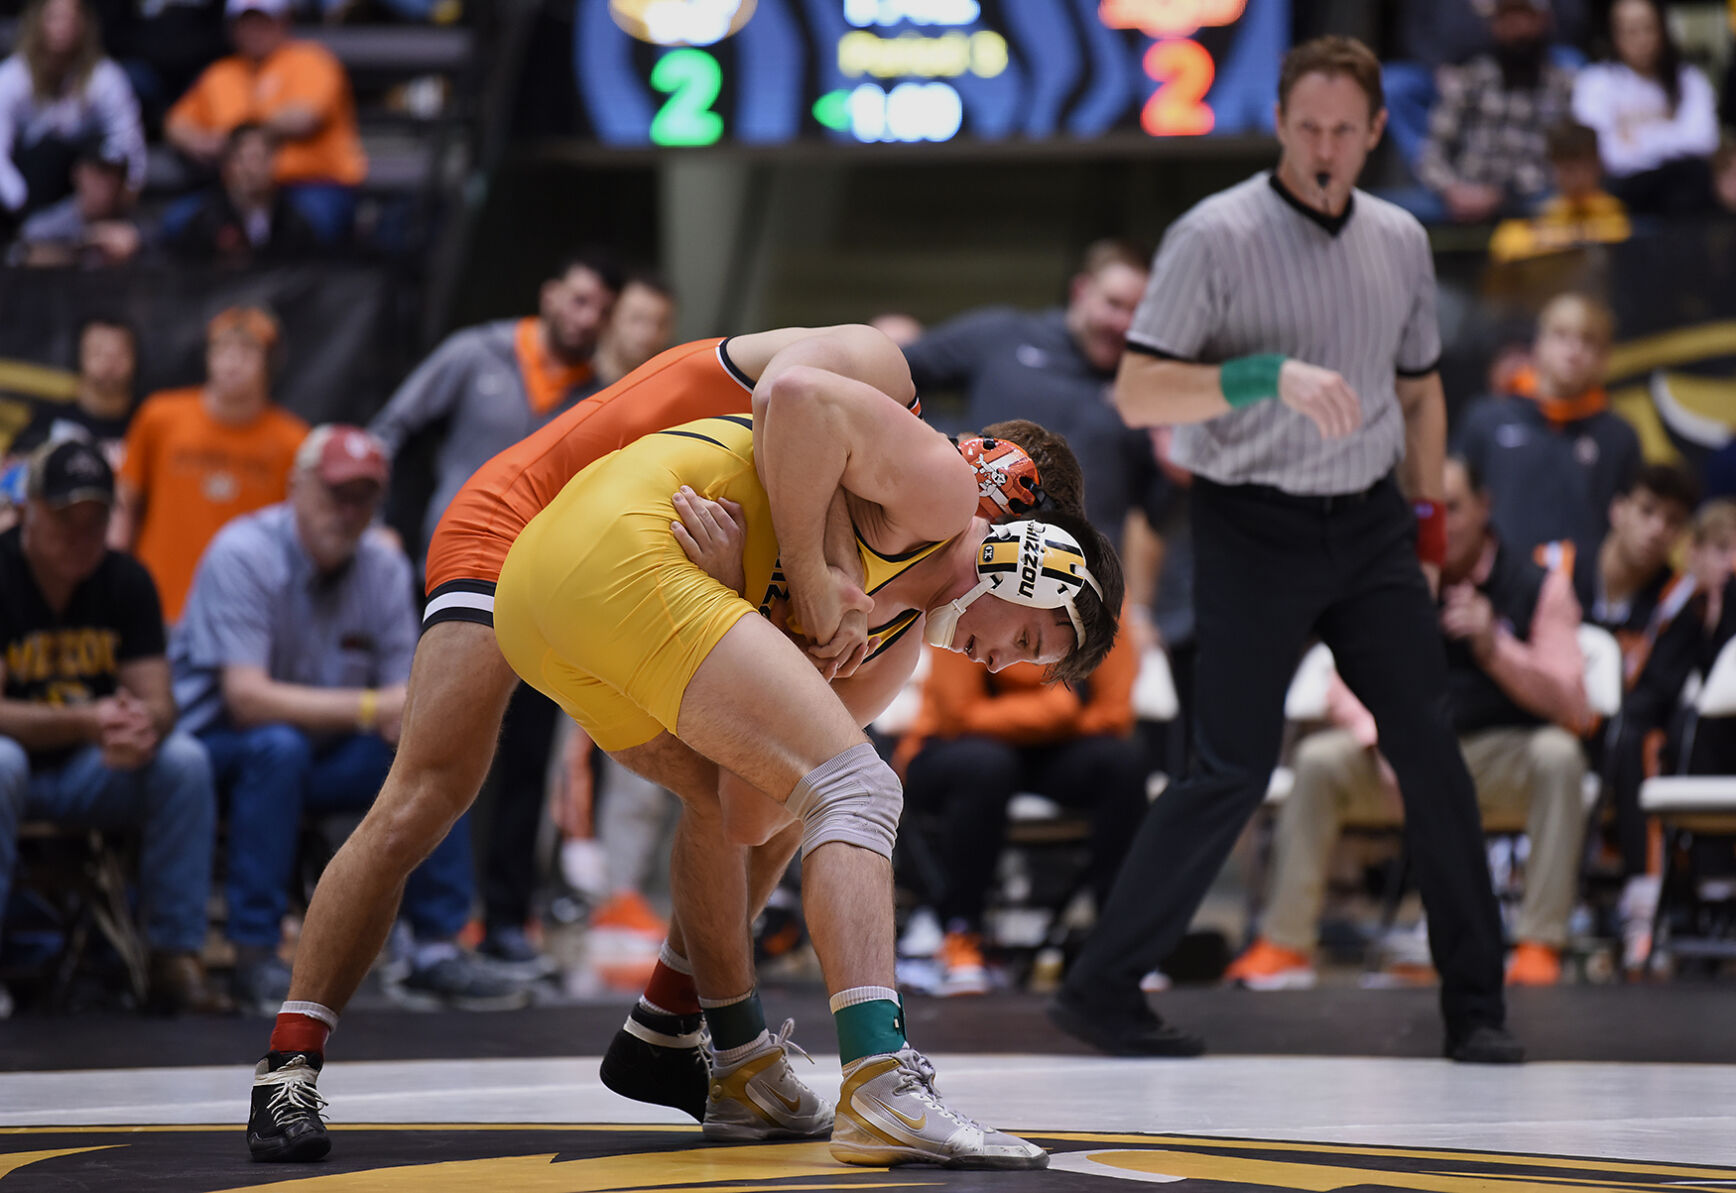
x=771 y=72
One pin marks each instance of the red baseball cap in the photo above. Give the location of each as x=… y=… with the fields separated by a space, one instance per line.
x=338 y=454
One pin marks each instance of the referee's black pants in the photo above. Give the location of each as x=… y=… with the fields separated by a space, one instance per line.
x=1271 y=569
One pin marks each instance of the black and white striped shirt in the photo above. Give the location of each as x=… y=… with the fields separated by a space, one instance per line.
x=1252 y=270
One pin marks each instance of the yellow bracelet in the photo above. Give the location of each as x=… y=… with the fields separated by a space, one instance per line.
x=369 y=709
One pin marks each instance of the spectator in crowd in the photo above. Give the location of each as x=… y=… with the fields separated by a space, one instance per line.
x=1485 y=150
x=90 y=227
x=298 y=91
x=291 y=666
x=1552 y=452
x=1656 y=117
x=86 y=717
x=245 y=216
x=1517 y=694
x=982 y=738
x=1580 y=212
x=1625 y=585
x=1450 y=32
x=489 y=386
x=102 y=404
x=162 y=45
x=1055 y=368
x=57 y=92
x=197 y=457
x=1721 y=470
x=638 y=327
x=1701 y=620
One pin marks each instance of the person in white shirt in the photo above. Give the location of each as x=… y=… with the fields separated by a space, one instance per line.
x=1656 y=118
x=58 y=92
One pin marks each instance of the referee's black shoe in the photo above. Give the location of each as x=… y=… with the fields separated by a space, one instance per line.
x=659 y=1059
x=285 y=1124
x=1134 y=1031
x=1484 y=1044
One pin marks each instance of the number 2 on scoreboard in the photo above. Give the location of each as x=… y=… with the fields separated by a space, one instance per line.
x=692 y=79
x=1183 y=71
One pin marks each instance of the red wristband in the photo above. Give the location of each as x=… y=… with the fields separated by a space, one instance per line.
x=1431 y=531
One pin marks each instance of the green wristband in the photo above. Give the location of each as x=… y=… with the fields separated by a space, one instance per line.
x=1249 y=379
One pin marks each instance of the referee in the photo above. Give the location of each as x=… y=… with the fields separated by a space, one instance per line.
x=1288 y=329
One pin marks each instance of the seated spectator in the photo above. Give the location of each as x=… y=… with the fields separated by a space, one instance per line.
x=197 y=457
x=638 y=327
x=1517 y=692
x=1552 y=452
x=162 y=45
x=1701 y=620
x=87 y=721
x=291 y=667
x=102 y=406
x=89 y=227
x=1447 y=33
x=982 y=737
x=1622 y=586
x=1580 y=212
x=1485 y=149
x=245 y=217
x=58 y=92
x=1656 y=118
x=298 y=91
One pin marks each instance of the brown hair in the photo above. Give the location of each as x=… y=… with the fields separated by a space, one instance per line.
x=1570 y=141
x=1058 y=471
x=35 y=53
x=1596 y=312
x=1101 y=616
x=1101 y=254
x=1715 y=523
x=1333 y=56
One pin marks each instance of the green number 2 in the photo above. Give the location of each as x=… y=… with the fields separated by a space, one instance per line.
x=692 y=79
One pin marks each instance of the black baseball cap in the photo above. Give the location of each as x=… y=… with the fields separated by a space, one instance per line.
x=69 y=471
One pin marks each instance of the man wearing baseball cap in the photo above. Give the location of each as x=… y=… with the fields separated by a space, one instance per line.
x=290 y=664
x=86 y=717
x=298 y=91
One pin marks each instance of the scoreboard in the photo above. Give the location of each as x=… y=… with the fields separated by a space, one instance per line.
x=772 y=72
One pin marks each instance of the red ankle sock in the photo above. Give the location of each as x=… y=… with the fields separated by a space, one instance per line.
x=673 y=991
x=299 y=1033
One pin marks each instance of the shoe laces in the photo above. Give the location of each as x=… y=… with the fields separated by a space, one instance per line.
x=916 y=1077
x=782 y=1040
x=296 y=1092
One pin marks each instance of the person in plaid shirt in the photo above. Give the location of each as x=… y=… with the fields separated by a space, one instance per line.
x=1485 y=153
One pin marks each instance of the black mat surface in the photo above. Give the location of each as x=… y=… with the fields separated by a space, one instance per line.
x=577 y=1159
x=1683 y=1022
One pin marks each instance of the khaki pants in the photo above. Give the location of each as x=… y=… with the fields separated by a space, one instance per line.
x=1537 y=774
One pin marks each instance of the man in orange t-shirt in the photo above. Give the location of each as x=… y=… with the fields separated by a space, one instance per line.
x=297 y=91
x=197 y=457
x=980 y=739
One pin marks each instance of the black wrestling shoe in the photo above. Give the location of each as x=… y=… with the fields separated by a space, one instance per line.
x=285 y=1123
x=659 y=1059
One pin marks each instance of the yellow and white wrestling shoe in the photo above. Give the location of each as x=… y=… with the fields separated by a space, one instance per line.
x=889 y=1113
x=761 y=1098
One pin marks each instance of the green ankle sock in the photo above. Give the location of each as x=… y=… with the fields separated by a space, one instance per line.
x=869 y=1028
x=735 y=1024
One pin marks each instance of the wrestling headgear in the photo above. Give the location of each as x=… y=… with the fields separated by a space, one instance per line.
x=1006 y=476
x=1030 y=563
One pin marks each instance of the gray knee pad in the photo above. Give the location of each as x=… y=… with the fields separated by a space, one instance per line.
x=854 y=798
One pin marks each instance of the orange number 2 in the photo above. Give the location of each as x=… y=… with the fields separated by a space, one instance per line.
x=1183 y=72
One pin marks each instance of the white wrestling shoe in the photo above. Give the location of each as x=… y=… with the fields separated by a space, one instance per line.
x=761 y=1098
x=889 y=1114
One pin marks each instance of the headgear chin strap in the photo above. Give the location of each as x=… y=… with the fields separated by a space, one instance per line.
x=1006 y=476
x=1030 y=563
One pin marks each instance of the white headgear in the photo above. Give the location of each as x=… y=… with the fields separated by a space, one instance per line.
x=1030 y=563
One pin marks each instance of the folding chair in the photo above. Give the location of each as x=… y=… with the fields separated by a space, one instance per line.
x=81 y=874
x=1694 y=805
